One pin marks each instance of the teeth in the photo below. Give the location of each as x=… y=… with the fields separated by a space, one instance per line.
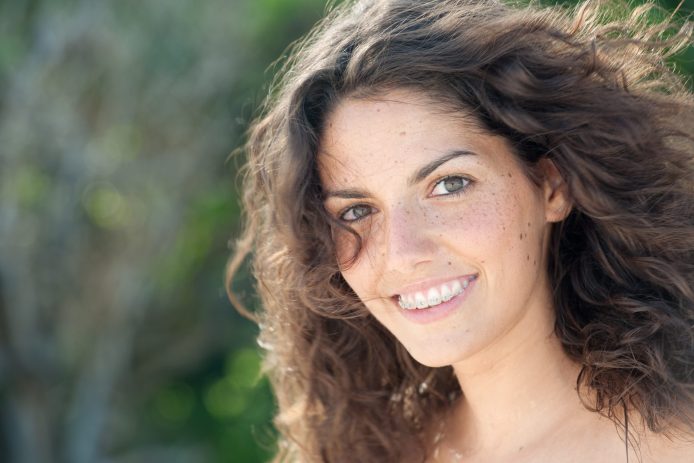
x=406 y=302
x=446 y=294
x=434 y=296
x=420 y=300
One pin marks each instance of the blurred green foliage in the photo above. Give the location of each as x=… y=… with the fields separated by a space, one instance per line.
x=117 y=201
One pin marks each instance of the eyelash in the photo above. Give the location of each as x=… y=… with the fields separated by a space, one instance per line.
x=466 y=183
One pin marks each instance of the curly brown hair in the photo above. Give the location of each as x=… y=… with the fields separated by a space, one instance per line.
x=588 y=88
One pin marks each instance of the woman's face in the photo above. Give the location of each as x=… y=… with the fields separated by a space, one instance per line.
x=454 y=233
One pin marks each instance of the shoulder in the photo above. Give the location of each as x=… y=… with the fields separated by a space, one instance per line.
x=658 y=448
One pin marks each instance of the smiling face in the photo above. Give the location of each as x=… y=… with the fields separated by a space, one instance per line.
x=454 y=233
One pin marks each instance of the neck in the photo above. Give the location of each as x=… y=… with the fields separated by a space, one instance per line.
x=516 y=391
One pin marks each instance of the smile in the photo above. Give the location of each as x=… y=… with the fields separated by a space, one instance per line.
x=435 y=295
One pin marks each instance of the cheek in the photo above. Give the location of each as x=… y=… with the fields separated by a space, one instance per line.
x=355 y=269
x=497 y=225
x=346 y=246
x=361 y=281
x=363 y=245
x=350 y=245
x=479 y=224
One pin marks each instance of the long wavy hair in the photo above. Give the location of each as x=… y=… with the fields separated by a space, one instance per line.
x=589 y=88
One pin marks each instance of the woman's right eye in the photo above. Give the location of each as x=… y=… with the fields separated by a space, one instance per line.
x=354 y=213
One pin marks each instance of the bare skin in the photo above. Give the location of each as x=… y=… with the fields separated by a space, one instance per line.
x=520 y=402
x=538 y=417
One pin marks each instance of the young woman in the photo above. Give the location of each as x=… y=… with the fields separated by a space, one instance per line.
x=472 y=227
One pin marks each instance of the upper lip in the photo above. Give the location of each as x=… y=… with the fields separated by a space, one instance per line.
x=424 y=285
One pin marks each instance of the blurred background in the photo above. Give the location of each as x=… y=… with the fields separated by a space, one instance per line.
x=118 y=199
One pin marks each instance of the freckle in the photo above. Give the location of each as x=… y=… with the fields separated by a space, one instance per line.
x=528 y=256
x=449 y=262
x=403 y=133
x=521 y=236
x=528 y=224
x=520 y=448
x=509 y=174
x=534 y=261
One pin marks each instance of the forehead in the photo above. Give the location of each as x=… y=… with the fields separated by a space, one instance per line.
x=369 y=135
x=394 y=114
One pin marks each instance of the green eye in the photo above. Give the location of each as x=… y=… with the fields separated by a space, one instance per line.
x=355 y=213
x=450 y=185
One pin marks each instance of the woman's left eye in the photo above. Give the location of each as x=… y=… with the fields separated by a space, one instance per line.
x=450 y=185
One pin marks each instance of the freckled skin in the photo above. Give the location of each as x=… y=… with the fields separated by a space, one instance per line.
x=375 y=145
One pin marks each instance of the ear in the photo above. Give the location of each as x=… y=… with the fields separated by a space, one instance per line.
x=555 y=192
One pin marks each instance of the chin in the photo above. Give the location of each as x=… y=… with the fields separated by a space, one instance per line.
x=436 y=357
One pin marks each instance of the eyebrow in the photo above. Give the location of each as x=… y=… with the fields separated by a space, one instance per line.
x=418 y=176
x=422 y=173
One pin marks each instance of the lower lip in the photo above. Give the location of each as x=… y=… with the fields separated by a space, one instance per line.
x=438 y=312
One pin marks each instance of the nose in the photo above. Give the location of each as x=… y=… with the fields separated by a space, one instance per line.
x=406 y=241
